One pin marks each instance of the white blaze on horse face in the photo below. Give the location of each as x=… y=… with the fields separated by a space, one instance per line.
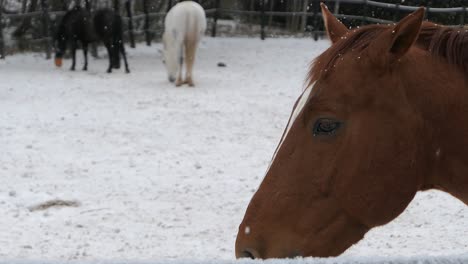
x=301 y=103
x=299 y=107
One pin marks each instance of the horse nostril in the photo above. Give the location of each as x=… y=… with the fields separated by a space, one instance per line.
x=249 y=253
x=295 y=255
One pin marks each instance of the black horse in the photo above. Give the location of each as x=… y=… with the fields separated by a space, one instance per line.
x=79 y=24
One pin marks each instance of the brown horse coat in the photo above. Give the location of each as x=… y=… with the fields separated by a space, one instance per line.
x=385 y=115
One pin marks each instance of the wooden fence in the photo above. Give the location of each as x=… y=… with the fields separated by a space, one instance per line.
x=216 y=12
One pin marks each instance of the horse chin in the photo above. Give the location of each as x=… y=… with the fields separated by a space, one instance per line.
x=324 y=230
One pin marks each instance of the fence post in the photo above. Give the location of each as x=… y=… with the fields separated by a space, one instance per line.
x=315 y=17
x=147 y=23
x=364 y=13
x=215 y=21
x=337 y=7
x=2 y=40
x=304 y=17
x=396 y=15
x=128 y=6
x=45 y=27
x=462 y=17
x=263 y=21
x=169 y=6
x=117 y=6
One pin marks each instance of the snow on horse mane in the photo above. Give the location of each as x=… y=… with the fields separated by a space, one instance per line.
x=185 y=25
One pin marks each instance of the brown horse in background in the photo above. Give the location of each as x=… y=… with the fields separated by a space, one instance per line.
x=385 y=115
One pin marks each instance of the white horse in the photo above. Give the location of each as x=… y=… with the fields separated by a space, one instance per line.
x=185 y=25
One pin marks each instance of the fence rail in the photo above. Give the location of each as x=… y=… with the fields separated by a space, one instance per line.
x=45 y=15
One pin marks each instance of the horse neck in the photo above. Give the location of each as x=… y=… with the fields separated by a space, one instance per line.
x=439 y=92
x=177 y=50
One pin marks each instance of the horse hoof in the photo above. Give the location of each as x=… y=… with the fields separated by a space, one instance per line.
x=72 y=69
x=190 y=82
x=127 y=71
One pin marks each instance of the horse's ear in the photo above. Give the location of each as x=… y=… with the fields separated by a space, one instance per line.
x=406 y=32
x=335 y=29
x=398 y=40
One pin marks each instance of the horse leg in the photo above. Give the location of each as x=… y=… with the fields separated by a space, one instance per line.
x=85 y=52
x=179 y=81
x=191 y=47
x=109 y=52
x=122 y=50
x=73 y=51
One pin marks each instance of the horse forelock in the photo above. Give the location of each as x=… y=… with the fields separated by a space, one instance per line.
x=355 y=40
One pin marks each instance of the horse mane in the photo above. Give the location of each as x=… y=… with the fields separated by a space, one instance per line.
x=445 y=42
x=61 y=29
x=448 y=43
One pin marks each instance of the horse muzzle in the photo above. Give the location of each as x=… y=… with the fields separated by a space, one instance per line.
x=256 y=250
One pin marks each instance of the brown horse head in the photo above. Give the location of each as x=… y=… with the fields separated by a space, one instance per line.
x=358 y=145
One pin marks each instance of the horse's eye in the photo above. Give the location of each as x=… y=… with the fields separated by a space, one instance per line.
x=326 y=126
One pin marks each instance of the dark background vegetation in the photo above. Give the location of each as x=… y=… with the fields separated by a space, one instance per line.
x=27 y=32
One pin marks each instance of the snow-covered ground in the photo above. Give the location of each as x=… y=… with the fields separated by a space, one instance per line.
x=160 y=172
